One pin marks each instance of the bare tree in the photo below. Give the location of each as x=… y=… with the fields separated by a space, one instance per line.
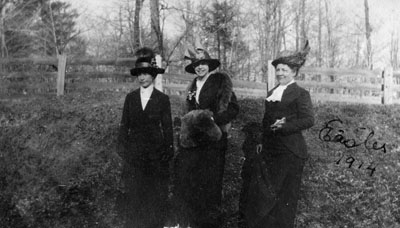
x=394 y=51
x=331 y=52
x=278 y=29
x=270 y=33
x=358 y=48
x=4 y=8
x=57 y=27
x=121 y=32
x=53 y=29
x=188 y=18
x=301 y=23
x=156 y=33
x=368 y=31
x=17 y=20
x=136 y=25
x=319 y=55
x=303 y=30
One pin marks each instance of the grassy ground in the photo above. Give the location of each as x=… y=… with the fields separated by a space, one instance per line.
x=58 y=166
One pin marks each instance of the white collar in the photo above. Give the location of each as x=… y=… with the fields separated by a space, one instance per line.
x=145 y=94
x=278 y=92
x=147 y=90
x=199 y=85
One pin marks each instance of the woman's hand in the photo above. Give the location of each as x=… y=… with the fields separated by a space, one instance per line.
x=278 y=124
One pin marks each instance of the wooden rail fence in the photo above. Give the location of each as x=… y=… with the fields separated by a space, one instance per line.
x=324 y=84
x=170 y=83
x=176 y=84
x=348 y=85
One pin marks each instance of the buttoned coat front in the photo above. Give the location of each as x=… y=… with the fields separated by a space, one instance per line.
x=296 y=107
x=146 y=134
x=145 y=138
x=272 y=188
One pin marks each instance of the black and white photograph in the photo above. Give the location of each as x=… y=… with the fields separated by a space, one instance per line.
x=199 y=114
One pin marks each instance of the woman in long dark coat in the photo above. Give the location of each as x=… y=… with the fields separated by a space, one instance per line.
x=146 y=146
x=199 y=170
x=274 y=187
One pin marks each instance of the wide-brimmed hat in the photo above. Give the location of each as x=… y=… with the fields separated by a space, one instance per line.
x=293 y=59
x=197 y=56
x=146 y=63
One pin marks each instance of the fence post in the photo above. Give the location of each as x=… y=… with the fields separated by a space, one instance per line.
x=62 y=63
x=271 y=76
x=388 y=85
x=158 y=81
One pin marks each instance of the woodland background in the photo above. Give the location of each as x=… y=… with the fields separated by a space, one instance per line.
x=244 y=35
x=58 y=161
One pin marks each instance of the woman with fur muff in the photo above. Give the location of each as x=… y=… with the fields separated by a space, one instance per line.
x=274 y=185
x=146 y=146
x=199 y=166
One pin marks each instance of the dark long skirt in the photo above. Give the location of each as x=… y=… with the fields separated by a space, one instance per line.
x=145 y=201
x=198 y=185
x=273 y=190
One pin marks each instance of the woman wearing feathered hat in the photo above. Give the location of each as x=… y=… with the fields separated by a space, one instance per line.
x=210 y=90
x=274 y=187
x=145 y=145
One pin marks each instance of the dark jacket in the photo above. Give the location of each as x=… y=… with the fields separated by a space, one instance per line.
x=199 y=170
x=216 y=95
x=298 y=110
x=145 y=135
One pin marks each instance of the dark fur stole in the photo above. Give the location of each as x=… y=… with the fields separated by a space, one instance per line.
x=224 y=94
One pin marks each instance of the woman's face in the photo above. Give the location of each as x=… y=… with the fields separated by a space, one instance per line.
x=202 y=69
x=145 y=79
x=284 y=74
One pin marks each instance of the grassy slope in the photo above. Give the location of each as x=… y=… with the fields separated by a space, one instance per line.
x=58 y=162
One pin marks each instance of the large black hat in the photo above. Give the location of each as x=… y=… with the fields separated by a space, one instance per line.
x=293 y=59
x=146 y=63
x=197 y=56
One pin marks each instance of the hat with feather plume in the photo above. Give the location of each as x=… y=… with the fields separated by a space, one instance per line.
x=293 y=59
x=197 y=56
x=146 y=63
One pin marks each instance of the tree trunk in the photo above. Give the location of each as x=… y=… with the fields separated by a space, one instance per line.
x=358 y=47
x=331 y=52
x=303 y=23
x=394 y=51
x=120 y=32
x=53 y=28
x=319 y=56
x=189 y=21
x=136 y=25
x=4 y=52
x=278 y=29
x=368 y=31
x=298 y=26
x=131 y=20
x=233 y=49
x=156 y=34
x=261 y=48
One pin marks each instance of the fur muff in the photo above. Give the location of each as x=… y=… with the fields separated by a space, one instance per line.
x=223 y=96
x=198 y=127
